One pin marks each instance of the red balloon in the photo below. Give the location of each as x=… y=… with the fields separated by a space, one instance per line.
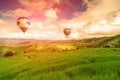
x=67 y=31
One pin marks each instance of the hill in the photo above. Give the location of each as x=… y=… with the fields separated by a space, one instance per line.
x=106 y=42
x=86 y=59
x=82 y=64
x=32 y=45
x=103 y=42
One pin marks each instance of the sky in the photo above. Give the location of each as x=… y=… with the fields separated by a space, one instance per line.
x=85 y=18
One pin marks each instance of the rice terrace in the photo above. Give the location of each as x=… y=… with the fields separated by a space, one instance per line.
x=86 y=59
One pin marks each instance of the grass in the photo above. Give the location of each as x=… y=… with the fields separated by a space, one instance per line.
x=82 y=64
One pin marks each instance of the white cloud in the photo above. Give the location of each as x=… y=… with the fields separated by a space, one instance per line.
x=116 y=21
x=51 y=14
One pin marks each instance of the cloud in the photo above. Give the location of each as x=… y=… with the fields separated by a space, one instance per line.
x=51 y=14
x=38 y=7
x=98 y=10
x=34 y=4
x=33 y=9
x=16 y=13
x=101 y=18
x=2 y=22
x=39 y=4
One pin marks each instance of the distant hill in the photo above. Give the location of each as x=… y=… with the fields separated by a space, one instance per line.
x=21 y=41
x=105 y=42
x=112 y=42
x=22 y=46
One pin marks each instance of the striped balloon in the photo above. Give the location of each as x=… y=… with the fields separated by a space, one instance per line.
x=23 y=23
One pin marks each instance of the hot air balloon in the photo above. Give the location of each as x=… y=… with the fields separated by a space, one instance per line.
x=23 y=23
x=67 y=31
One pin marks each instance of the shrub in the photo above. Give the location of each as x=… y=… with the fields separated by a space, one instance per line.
x=9 y=53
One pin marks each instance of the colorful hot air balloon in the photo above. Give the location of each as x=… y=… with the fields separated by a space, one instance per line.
x=23 y=23
x=67 y=31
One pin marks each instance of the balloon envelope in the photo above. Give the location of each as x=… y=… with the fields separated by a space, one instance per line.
x=67 y=31
x=23 y=23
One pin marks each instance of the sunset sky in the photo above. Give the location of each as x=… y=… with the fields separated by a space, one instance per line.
x=85 y=18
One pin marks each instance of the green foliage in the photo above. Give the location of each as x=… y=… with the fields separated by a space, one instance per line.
x=85 y=59
x=82 y=64
x=105 y=42
x=111 y=42
x=3 y=50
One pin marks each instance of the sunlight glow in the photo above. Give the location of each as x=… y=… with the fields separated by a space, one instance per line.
x=116 y=21
x=51 y=14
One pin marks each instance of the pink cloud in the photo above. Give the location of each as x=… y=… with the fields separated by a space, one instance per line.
x=17 y=13
x=2 y=21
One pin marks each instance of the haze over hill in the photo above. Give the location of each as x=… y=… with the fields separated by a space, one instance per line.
x=113 y=41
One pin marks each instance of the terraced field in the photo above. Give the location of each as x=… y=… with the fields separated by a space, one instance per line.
x=81 y=64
